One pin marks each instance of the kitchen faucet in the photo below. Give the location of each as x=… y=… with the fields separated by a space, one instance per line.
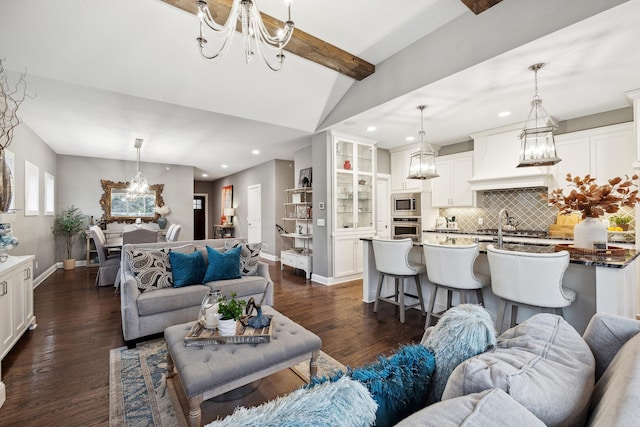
x=500 y=215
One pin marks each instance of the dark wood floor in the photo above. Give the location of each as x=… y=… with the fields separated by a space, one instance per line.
x=58 y=374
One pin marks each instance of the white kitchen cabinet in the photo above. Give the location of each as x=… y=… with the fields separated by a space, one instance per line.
x=400 y=162
x=16 y=304
x=604 y=153
x=348 y=254
x=353 y=185
x=451 y=188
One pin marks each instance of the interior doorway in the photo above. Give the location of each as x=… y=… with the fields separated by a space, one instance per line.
x=254 y=213
x=200 y=216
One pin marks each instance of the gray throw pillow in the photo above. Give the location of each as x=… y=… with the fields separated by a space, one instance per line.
x=492 y=408
x=151 y=268
x=543 y=363
x=249 y=257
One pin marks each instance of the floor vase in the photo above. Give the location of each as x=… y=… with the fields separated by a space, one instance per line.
x=5 y=183
x=590 y=232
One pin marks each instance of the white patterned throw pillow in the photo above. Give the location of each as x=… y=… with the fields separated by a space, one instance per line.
x=151 y=268
x=249 y=257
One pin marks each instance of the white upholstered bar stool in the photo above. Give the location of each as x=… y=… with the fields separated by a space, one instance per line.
x=450 y=267
x=527 y=279
x=392 y=260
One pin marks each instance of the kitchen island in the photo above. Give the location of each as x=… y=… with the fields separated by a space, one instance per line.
x=603 y=284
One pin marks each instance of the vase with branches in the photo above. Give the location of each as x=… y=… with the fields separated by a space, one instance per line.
x=593 y=201
x=10 y=99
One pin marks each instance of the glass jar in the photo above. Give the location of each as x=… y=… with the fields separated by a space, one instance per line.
x=208 y=315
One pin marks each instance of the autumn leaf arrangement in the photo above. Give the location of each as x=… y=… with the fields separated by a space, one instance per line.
x=593 y=200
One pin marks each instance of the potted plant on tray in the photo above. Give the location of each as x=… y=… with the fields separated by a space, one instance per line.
x=70 y=224
x=621 y=221
x=230 y=311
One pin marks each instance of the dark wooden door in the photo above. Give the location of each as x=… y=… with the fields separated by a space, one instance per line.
x=199 y=220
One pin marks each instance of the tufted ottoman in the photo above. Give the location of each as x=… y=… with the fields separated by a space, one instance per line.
x=211 y=370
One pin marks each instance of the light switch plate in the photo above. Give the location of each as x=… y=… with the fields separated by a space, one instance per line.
x=321 y=206
x=320 y=222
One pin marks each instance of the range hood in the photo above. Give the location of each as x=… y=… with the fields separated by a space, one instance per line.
x=495 y=160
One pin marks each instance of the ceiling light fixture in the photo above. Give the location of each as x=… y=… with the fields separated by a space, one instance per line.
x=139 y=185
x=422 y=164
x=537 y=145
x=246 y=13
x=371 y=129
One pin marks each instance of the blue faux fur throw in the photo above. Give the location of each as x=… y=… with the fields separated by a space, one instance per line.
x=462 y=332
x=398 y=383
x=345 y=402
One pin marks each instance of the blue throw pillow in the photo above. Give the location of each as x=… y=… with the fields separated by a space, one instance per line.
x=187 y=269
x=222 y=266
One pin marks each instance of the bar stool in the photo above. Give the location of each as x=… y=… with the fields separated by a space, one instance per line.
x=392 y=260
x=526 y=279
x=450 y=268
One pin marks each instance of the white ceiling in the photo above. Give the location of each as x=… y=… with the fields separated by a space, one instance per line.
x=105 y=72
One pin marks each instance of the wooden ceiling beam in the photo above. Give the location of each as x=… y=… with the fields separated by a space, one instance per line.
x=302 y=44
x=479 y=6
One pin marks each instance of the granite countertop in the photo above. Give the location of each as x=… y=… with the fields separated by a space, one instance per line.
x=537 y=245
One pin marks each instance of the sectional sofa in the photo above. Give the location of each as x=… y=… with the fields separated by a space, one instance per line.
x=149 y=309
x=539 y=373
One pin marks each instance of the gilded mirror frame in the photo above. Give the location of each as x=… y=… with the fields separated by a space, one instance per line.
x=108 y=188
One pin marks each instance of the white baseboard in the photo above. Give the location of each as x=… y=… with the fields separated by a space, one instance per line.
x=42 y=277
x=269 y=257
x=329 y=281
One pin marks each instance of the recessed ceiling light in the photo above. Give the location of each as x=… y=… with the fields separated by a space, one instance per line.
x=410 y=138
x=255 y=151
x=504 y=113
x=204 y=175
x=224 y=166
x=371 y=128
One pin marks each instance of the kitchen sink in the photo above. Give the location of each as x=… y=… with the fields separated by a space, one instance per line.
x=513 y=233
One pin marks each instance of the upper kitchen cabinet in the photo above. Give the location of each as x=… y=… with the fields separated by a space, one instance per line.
x=400 y=162
x=354 y=190
x=451 y=188
x=604 y=153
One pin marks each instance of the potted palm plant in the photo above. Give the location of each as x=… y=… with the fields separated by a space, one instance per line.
x=71 y=223
x=230 y=311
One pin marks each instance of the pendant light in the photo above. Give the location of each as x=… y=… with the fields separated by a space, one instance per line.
x=139 y=185
x=422 y=164
x=537 y=145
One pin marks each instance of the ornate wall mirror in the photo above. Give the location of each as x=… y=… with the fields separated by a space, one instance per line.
x=117 y=208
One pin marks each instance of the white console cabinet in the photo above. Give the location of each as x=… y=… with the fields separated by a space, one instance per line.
x=16 y=305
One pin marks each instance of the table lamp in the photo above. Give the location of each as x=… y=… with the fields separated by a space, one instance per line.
x=229 y=213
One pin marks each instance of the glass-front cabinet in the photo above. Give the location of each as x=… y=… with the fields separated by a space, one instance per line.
x=353 y=184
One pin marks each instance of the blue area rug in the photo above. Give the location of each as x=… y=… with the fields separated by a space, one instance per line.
x=138 y=391
x=140 y=396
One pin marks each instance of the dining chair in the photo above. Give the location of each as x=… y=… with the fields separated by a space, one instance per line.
x=139 y=235
x=109 y=264
x=527 y=279
x=173 y=232
x=451 y=268
x=392 y=260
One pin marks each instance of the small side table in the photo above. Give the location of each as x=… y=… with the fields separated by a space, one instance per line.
x=224 y=231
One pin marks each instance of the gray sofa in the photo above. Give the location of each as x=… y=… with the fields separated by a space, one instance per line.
x=150 y=312
x=540 y=373
x=543 y=373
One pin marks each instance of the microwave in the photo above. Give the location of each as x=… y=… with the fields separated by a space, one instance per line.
x=405 y=204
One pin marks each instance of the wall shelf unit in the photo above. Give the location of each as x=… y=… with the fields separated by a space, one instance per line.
x=298 y=226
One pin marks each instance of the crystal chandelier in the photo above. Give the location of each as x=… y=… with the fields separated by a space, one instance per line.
x=253 y=28
x=537 y=146
x=139 y=185
x=423 y=162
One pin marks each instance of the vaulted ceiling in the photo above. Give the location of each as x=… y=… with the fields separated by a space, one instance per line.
x=105 y=72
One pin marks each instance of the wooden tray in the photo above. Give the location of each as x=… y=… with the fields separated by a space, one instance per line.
x=201 y=336
x=611 y=251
